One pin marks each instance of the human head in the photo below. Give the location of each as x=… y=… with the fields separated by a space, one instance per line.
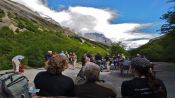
x=88 y=57
x=140 y=65
x=138 y=55
x=56 y=64
x=91 y=72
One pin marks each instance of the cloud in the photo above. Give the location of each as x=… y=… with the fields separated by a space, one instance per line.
x=89 y=19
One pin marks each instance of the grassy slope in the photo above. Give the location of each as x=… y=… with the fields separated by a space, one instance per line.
x=33 y=40
x=161 y=49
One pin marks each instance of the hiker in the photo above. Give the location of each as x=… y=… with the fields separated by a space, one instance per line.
x=67 y=54
x=48 y=55
x=144 y=84
x=94 y=87
x=83 y=59
x=17 y=64
x=115 y=61
x=107 y=61
x=52 y=82
x=62 y=53
x=126 y=65
x=74 y=59
x=98 y=60
x=86 y=59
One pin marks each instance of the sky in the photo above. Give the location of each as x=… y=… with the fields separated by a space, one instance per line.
x=133 y=22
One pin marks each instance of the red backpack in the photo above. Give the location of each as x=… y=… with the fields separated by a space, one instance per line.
x=21 y=68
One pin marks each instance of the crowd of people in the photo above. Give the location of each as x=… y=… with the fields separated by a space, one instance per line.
x=118 y=61
x=88 y=83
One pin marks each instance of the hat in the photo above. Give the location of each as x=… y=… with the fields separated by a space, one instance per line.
x=140 y=62
x=49 y=51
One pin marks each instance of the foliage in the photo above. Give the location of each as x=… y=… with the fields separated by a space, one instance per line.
x=117 y=48
x=170 y=18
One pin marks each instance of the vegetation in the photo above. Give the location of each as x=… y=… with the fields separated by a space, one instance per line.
x=117 y=48
x=33 y=43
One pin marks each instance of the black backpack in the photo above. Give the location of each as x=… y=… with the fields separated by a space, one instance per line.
x=13 y=85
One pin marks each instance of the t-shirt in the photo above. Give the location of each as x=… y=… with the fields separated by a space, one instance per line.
x=139 y=88
x=53 y=85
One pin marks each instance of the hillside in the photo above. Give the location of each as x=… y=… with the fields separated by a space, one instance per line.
x=160 y=49
x=26 y=33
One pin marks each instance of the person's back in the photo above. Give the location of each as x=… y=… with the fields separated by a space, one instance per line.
x=52 y=82
x=136 y=88
x=98 y=57
x=92 y=87
x=144 y=84
x=95 y=90
x=54 y=85
x=140 y=88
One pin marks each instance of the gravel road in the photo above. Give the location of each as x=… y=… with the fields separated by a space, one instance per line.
x=167 y=74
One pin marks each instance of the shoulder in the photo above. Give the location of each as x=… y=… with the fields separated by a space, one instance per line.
x=67 y=78
x=128 y=82
x=41 y=73
x=107 y=85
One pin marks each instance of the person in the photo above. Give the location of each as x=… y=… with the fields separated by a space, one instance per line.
x=87 y=57
x=52 y=82
x=48 y=55
x=98 y=60
x=126 y=65
x=144 y=84
x=83 y=59
x=17 y=65
x=94 y=87
x=62 y=53
x=107 y=61
x=74 y=59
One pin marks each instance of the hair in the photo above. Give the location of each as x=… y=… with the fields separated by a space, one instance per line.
x=142 y=67
x=91 y=72
x=56 y=64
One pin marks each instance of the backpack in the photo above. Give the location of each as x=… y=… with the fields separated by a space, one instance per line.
x=21 y=68
x=13 y=85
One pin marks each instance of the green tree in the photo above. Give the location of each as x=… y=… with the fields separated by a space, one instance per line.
x=117 y=48
x=170 y=19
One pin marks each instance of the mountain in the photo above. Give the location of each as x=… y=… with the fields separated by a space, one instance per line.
x=159 y=49
x=25 y=32
x=97 y=37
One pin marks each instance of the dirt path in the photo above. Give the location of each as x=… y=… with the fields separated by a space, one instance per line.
x=167 y=74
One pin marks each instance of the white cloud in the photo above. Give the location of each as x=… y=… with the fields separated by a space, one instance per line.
x=90 y=19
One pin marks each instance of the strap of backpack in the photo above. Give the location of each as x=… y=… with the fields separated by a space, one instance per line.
x=17 y=80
